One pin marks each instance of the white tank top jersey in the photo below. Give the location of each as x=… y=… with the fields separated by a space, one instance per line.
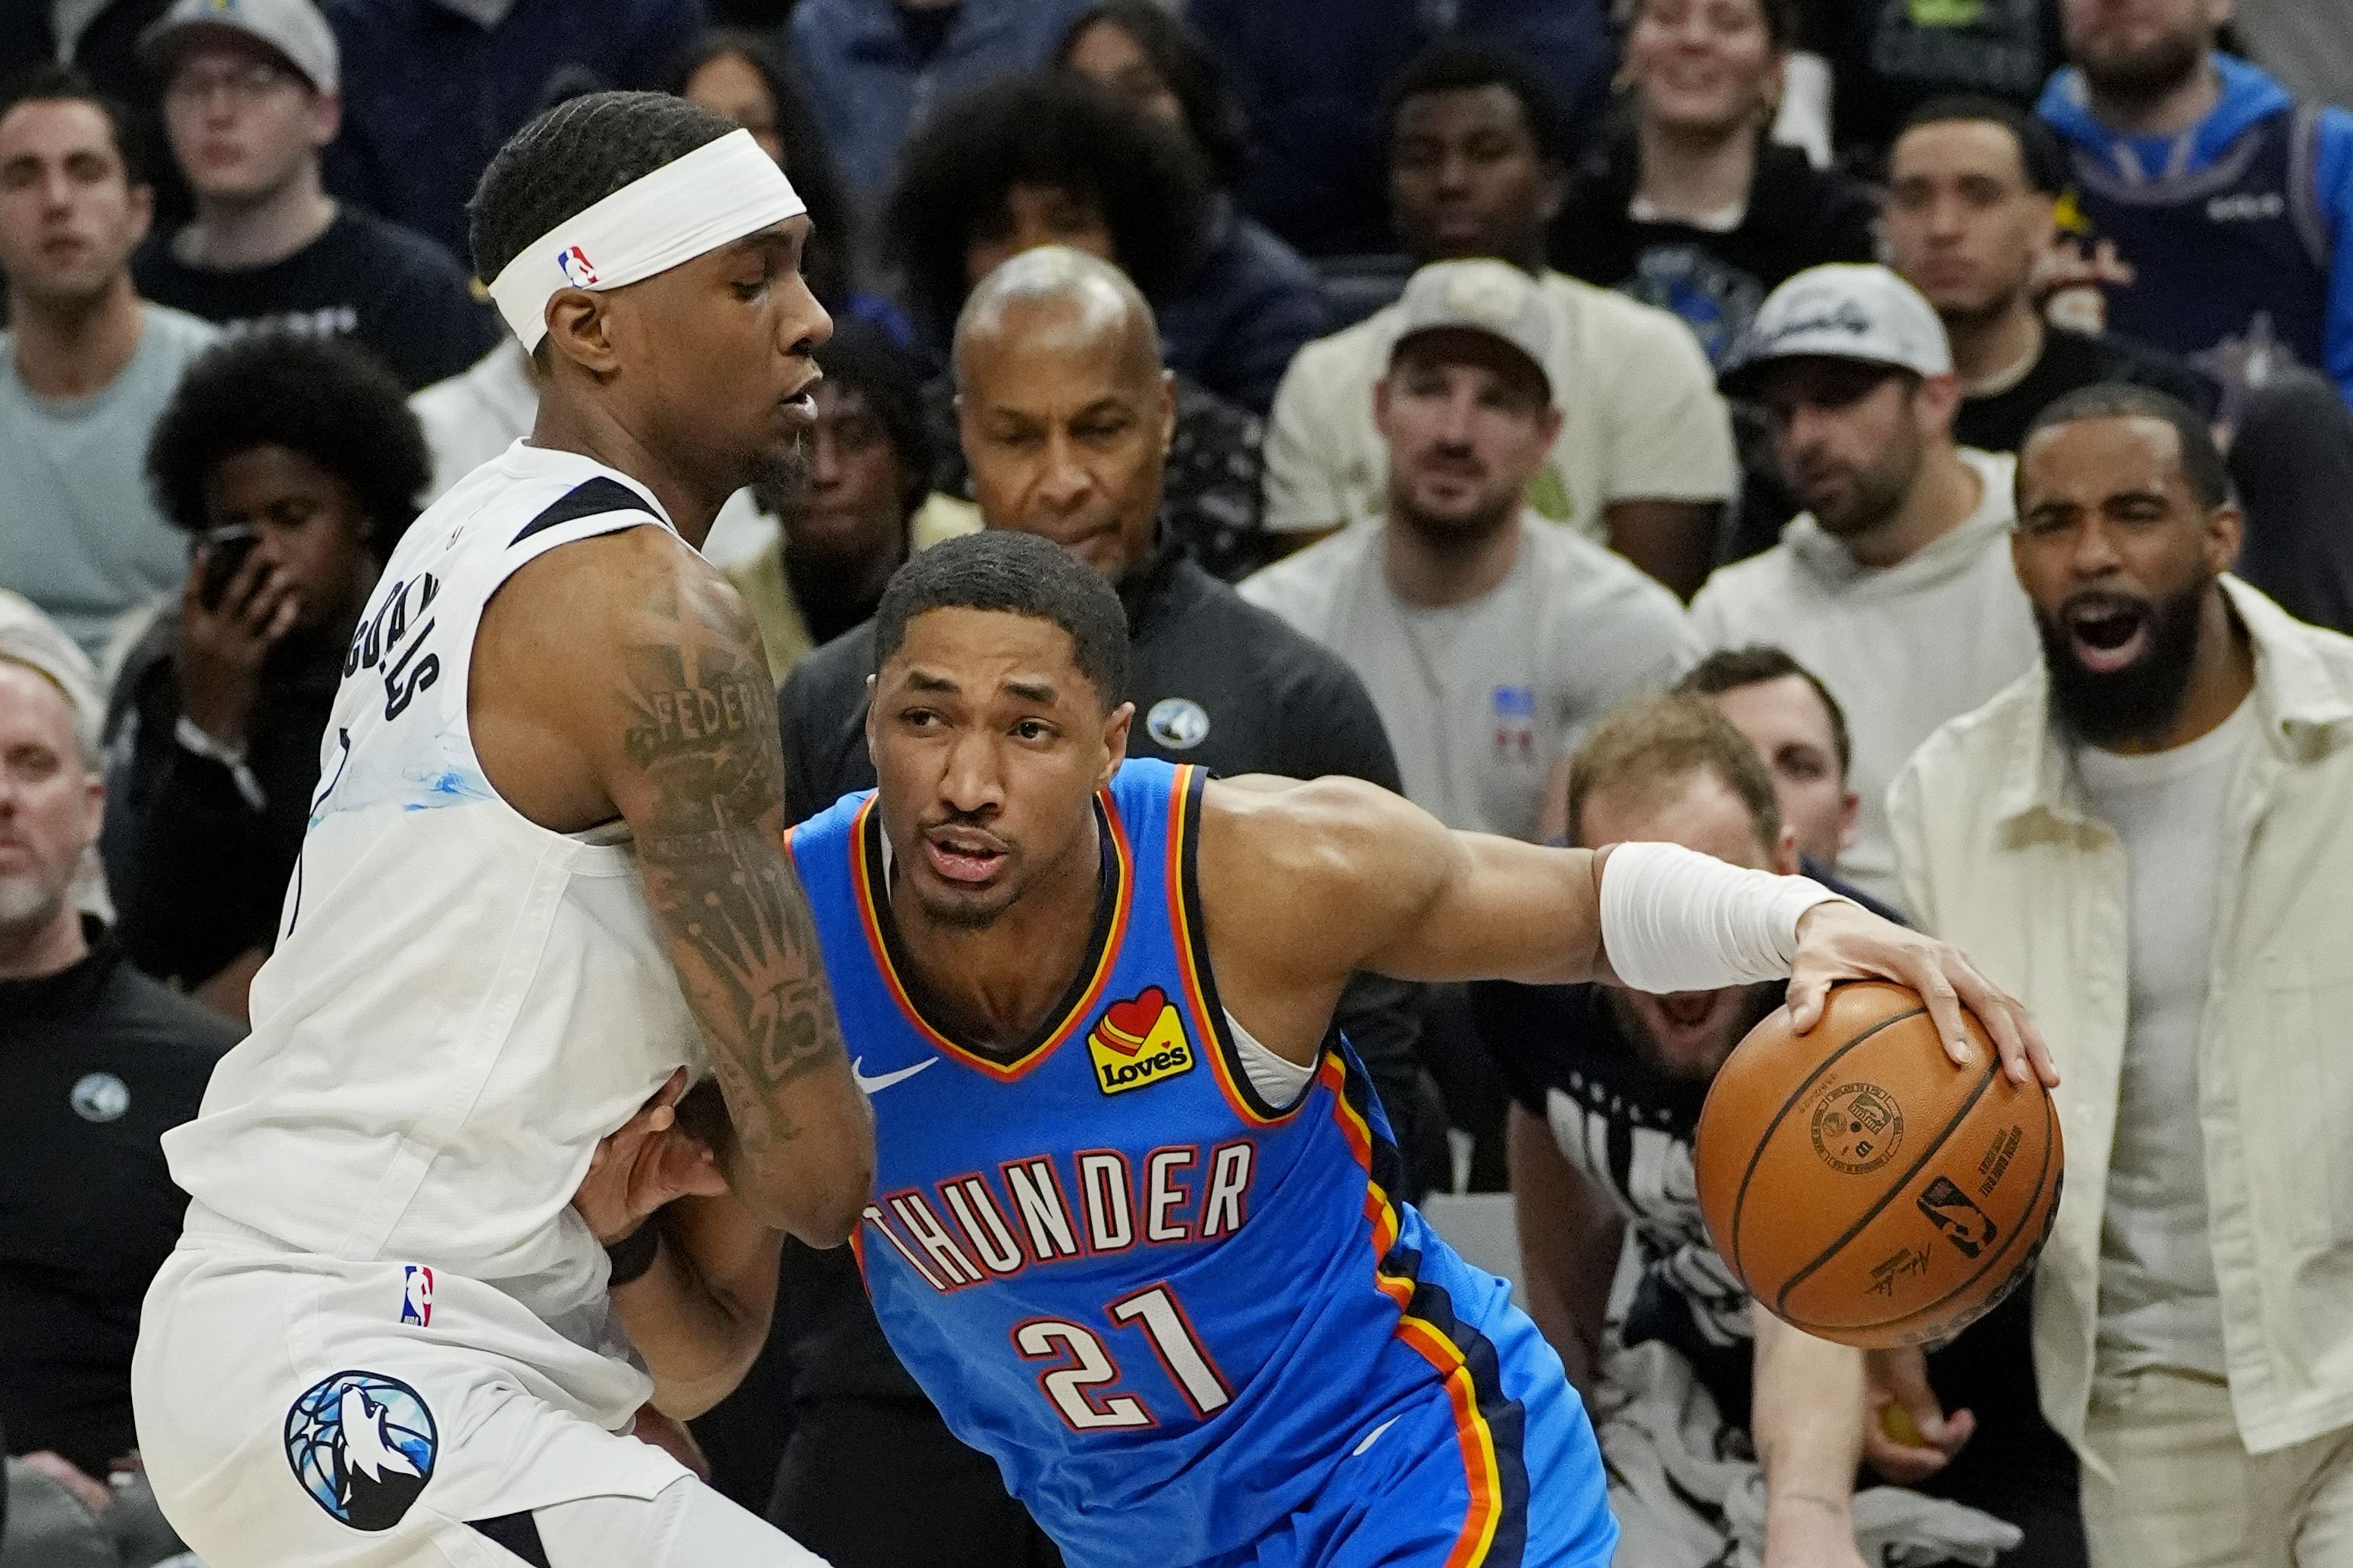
x=461 y=1002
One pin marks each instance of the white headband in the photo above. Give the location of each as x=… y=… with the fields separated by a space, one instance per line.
x=720 y=192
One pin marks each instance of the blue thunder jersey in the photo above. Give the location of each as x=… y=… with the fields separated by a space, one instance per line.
x=1175 y=1314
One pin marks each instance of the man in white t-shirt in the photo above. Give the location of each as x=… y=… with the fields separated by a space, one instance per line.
x=2146 y=837
x=1489 y=638
x=1642 y=459
x=1894 y=586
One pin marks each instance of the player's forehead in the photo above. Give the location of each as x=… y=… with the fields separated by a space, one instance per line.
x=2090 y=460
x=977 y=654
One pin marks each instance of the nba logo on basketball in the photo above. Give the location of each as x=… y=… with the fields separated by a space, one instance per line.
x=576 y=270
x=1139 y=1041
x=416 y=1295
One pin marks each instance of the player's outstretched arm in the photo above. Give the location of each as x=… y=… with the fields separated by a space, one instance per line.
x=641 y=663
x=1336 y=874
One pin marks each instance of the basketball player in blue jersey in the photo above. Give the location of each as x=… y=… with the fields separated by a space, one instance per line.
x=1134 y=1231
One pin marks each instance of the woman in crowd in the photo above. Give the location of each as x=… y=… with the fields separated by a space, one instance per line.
x=1689 y=206
x=738 y=73
x=293 y=465
x=1054 y=159
x=1236 y=318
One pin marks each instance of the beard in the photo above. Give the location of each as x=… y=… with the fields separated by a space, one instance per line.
x=28 y=901
x=2140 y=700
x=777 y=475
x=1750 y=1008
x=2148 y=74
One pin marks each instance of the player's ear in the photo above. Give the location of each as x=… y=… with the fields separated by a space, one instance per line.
x=869 y=721
x=1785 y=853
x=580 y=329
x=1114 y=736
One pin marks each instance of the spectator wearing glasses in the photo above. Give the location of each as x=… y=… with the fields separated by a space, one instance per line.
x=292 y=465
x=85 y=364
x=250 y=99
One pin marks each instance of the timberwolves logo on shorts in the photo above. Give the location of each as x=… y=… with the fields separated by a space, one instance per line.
x=363 y=1446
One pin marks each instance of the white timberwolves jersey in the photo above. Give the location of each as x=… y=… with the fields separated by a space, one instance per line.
x=462 y=1003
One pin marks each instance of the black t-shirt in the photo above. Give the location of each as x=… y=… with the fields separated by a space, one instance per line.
x=1627 y=1126
x=1797 y=216
x=2071 y=360
x=96 y=1063
x=1889 y=57
x=384 y=287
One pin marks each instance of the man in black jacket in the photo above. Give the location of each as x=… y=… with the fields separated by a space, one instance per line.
x=96 y=1062
x=1064 y=414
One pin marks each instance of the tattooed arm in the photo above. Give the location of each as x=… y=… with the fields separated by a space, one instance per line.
x=621 y=676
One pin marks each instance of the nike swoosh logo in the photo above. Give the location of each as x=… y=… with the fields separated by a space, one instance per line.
x=1374 y=1435
x=878 y=1084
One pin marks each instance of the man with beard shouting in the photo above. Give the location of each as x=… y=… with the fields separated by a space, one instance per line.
x=2147 y=838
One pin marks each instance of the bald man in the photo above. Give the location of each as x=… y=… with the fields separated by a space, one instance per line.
x=1065 y=412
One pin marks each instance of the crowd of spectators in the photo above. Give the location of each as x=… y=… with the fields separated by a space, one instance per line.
x=1910 y=444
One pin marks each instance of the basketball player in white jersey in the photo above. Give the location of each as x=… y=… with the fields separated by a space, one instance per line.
x=544 y=879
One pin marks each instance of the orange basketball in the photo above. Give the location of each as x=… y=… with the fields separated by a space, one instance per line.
x=1864 y=1189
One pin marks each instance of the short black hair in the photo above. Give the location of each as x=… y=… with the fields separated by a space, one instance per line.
x=862 y=357
x=1021 y=574
x=2038 y=149
x=1462 y=65
x=1730 y=668
x=63 y=83
x=574 y=156
x=808 y=161
x=326 y=398
x=2202 y=468
x=1212 y=113
x=1054 y=129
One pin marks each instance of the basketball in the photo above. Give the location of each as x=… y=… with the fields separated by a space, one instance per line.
x=1864 y=1189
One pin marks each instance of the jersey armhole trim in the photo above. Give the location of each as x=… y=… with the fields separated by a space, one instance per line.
x=1187 y=792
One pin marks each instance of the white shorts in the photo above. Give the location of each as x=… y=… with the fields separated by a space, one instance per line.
x=299 y=1412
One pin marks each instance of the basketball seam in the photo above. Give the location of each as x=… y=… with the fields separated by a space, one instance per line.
x=2040 y=1177
x=1805 y=1088
x=1894 y=1188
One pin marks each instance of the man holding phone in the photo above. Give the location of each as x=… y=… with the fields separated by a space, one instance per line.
x=291 y=463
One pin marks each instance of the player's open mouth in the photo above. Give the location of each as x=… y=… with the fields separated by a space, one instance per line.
x=2108 y=634
x=1688 y=1009
x=960 y=856
x=802 y=407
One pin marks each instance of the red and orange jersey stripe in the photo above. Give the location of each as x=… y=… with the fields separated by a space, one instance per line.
x=1090 y=996
x=1482 y=1470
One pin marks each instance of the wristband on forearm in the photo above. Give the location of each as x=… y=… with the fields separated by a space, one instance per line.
x=632 y=1257
x=1675 y=919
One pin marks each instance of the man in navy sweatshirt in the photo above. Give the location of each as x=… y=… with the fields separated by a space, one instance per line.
x=2212 y=213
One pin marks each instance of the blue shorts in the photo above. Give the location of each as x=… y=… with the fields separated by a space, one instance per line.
x=1405 y=1497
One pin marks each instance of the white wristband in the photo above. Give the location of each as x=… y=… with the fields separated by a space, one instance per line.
x=1675 y=919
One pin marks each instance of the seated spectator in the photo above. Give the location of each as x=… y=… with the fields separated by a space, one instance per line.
x=1894 y=586
x=292 y=464
x=2212 y=210
x=431 y=88
x=1691 y=207
x=1973 y=187
x=85 y=366
x=1886 y=60
x=1489 y=638
x=96 y=1062
x=476 y=414
x=1311 y=78
x=1799 y=728
x=2146 y=840
x=835 y=537
x=738 y=73
x=877 y=66
x=248 y=101
x=1236 y=317
x=1643 y=460
x=1051 y=159
x=2292 y=467
x=1606 y=1087
x=1065 y=415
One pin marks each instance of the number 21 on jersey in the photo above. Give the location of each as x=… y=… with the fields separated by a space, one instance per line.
x=1084 y=1365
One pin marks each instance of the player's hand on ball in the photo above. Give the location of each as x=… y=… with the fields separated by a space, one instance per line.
x=1838 y=940
x=647 y=1162
x=1908 y=1437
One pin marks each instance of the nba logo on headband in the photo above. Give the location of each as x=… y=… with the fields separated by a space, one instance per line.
x=575 y=269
